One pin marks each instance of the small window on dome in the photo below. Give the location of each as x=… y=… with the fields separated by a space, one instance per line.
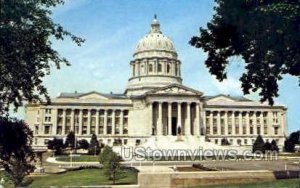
x=150 y=68
x=168 y=68
x=159 y=67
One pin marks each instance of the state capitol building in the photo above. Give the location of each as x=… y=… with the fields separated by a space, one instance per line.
x=156 y=107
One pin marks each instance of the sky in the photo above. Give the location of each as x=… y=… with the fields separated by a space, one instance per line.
x=113 y=28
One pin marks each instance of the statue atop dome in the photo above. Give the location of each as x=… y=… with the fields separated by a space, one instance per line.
x=155 y=26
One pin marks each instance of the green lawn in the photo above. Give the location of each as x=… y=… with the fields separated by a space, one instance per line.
x=287 y=183
x=81 y=158
x=82 y=177
x=8 y=183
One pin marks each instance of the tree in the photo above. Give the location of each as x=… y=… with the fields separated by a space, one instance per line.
x=56 y=145
x=104 y=155
x=94 y=148
x=83 y=144
x=70 y=140
x=111 y=163
x=264 y=33
x=16 y=153
x=274 y=146
x=258 y=145
x=291 y=141
x=26 y=54
x=267 y=146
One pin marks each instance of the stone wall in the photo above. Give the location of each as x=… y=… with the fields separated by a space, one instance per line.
x=187 y=179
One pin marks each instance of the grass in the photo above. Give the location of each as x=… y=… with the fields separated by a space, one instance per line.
x=8 y=183
x=80 y=158
x=286 y=183
x=85 y=177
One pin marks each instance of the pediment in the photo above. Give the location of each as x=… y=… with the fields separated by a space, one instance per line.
x=92 y=95
x=174 y=90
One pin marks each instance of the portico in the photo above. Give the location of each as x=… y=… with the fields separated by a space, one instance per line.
x=175 y=117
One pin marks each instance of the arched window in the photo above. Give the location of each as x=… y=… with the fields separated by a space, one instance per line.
x=159 y=68
x=150 y=68
x=168 y=68
x=176 y=70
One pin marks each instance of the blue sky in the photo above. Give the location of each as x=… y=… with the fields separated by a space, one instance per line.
x=112 y=30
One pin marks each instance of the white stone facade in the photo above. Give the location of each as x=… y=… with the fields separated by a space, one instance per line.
x=156 y=105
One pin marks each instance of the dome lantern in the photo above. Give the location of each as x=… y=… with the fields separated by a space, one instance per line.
x=155 y=26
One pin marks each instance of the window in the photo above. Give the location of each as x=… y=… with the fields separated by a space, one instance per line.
x=137 y=142
x=47 y=111
x=168 y=68
x=150 y=68
x=47 y=129
x=237 y=129
x=47 y=119
x=36 y=130
x=245 y=141
x=276 y=130
x=159 y=68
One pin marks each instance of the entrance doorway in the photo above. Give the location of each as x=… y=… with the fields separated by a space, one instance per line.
x=174 y=126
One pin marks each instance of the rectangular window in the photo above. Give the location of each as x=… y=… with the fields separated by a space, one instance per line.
x=47 y=129
x=258 y=130
x=265 y=130
x=237 y=129
x=59 y=130
x=109 y=129
x=207 y=129
x=244 y=130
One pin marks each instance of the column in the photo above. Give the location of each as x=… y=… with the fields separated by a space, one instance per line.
x=169 y=118
x=219 y=123
x=255 y=123
x=203 y=119
x=80 y=122
x=211 y=119
x=54 y=129
x=159 y=119
x=233 y=123
x=151 y=118
x=105 y=123
x=89 y=122
x=113 y=122
x=121 y=122
x=179 y=117
x=262 y=125
x=247 y=123
x=97 y=121
x=64 y=122
x=240 y=122
x=72 y=120
x=188 y=125
x=197 y=121
x=269 y=123
x=226 y=122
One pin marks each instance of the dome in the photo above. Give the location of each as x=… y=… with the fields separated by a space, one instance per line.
x=155 y=63
x=155 y=40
